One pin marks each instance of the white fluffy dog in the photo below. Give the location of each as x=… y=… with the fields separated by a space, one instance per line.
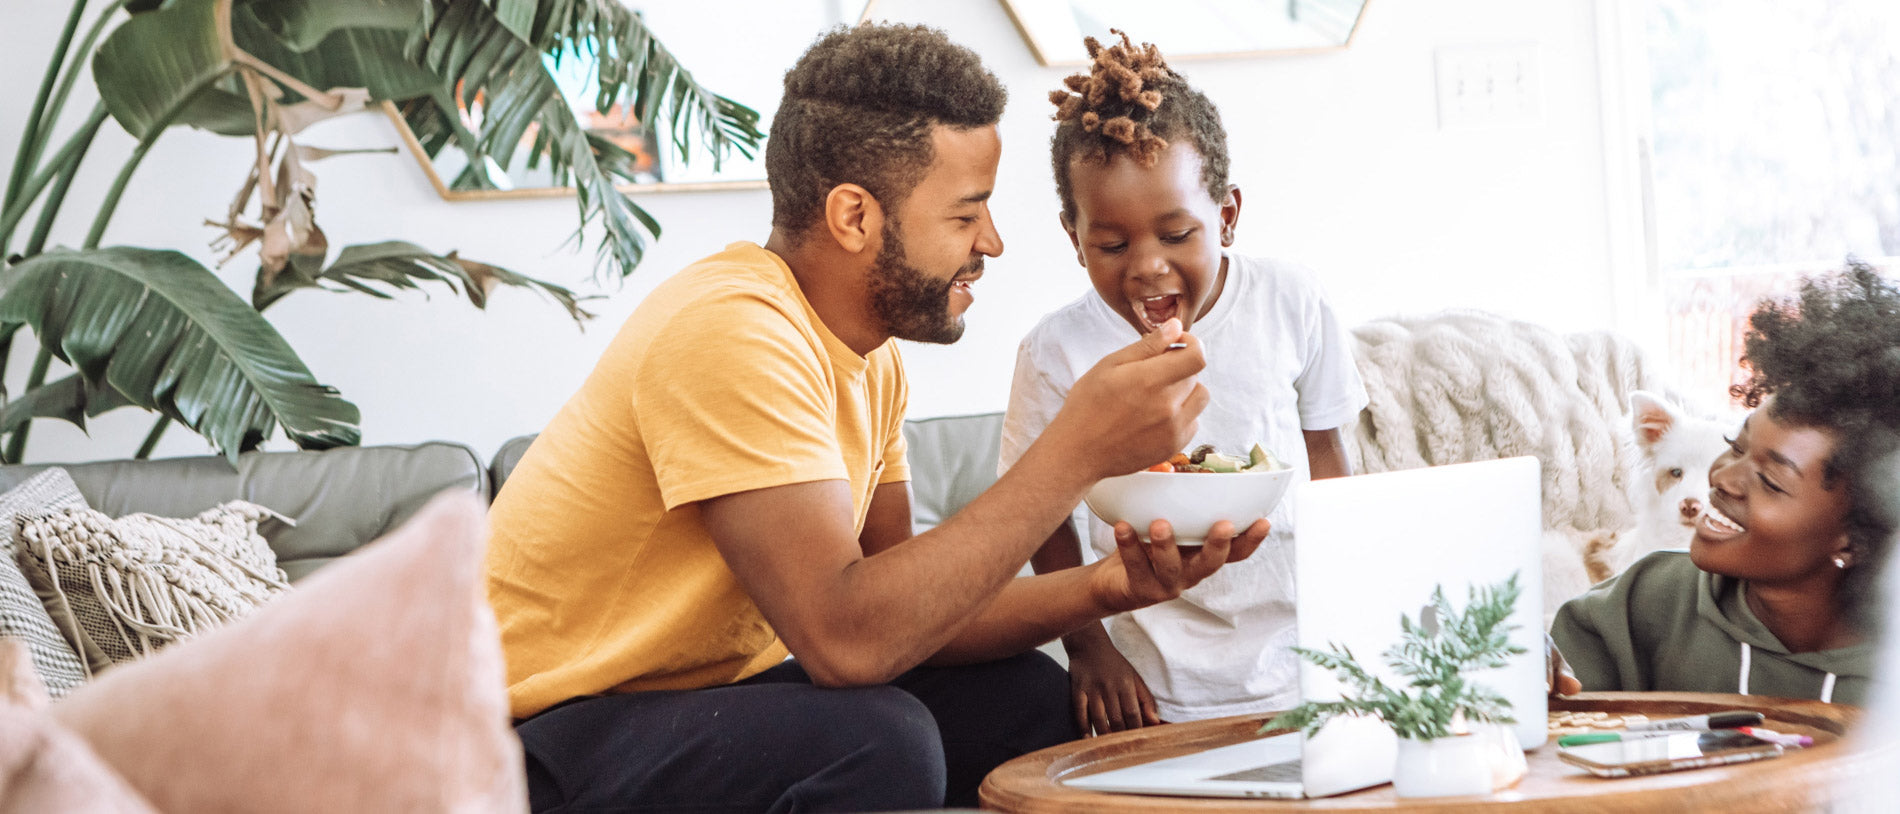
x=1670 y=490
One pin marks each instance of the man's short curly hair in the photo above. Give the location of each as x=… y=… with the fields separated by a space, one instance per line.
x=1130 y=102
x=1830 y=356
x=859 y=108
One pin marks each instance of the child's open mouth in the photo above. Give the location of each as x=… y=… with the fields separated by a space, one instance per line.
x=1152 y=311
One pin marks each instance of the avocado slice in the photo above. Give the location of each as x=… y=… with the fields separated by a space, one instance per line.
x=1259 y=458
x=1218 y=462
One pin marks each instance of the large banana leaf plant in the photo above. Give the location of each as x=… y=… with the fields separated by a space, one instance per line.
x=159 y=330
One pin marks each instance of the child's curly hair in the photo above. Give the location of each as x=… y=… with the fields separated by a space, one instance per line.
x=1130 y=102
x=1830 y=356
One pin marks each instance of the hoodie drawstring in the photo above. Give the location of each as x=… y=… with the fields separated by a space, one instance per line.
x=1741 y=681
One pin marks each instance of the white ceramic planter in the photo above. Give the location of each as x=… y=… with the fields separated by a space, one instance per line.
x=1443 y=767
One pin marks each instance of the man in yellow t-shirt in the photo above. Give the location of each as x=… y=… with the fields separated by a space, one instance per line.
x=729 y=487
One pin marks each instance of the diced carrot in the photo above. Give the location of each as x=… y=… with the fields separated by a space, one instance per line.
x=1164 y=466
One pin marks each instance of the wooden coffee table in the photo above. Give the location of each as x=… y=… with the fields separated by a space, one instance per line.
x=1802 y=779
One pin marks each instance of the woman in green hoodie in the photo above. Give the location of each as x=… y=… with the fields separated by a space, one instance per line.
x=1774 y=596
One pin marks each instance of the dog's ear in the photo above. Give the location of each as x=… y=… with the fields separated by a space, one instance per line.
x=1651 y=418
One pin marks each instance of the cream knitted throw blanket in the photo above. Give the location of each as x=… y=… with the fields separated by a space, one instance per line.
x=1462 y=386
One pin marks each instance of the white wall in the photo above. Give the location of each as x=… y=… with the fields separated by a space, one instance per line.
x=1340 y=156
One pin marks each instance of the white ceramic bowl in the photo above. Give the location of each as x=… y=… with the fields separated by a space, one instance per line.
x=1192 y=502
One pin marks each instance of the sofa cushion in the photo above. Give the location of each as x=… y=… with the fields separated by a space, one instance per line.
x=506 y=458
x=377 y=685
x=338 y=499
x=952 y=460
x=23 y=613
x=139 y=582
x=43 y=767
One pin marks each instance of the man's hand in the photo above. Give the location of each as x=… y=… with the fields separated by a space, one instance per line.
x=1109 y=695
x=1137 y=406
x=1140 y=574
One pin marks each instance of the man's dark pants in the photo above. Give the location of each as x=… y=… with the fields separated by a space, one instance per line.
x=776 y=743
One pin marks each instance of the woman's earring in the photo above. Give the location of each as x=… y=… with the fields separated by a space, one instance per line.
x=1840 y=561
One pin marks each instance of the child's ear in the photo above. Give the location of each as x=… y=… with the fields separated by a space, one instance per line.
x=1229 y=215
x=852 y=216
x=1074 y=239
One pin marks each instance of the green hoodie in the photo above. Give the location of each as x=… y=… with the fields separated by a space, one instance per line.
x=1666 y=625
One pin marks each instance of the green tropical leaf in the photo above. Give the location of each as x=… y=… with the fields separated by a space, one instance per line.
x=518 y=15
x=177 y=52
x=471 y=49
x=158 y=59
x=170 y=336
x=632 y=65
x=69 y=399
x=301 y=24
x=368 y=57
x=377 y=268
x=493 y=54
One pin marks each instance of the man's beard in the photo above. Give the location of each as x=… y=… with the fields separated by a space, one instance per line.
x=912 y=305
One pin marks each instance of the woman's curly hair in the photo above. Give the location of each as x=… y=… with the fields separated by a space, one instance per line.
x=1130 y=102
x=1830 y=356
x=859 y=107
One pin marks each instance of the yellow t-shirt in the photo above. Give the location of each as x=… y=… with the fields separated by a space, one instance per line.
x=723 y=380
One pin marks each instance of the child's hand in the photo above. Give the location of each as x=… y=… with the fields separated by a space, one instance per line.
x=1109 y=695
x=1140 y=574
x=1557 y=677
x=1137 y=406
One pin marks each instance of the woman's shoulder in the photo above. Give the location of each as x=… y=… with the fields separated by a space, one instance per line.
x=1667 y=563
x=1660 y=576
x=1659 y=573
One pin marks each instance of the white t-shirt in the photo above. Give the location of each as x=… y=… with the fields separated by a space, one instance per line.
x=1278 y=361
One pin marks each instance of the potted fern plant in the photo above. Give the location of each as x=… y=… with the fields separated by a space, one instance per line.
x=1450 y=728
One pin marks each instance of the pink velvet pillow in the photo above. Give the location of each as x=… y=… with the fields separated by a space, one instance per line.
x=43 y=767
x=374 y=685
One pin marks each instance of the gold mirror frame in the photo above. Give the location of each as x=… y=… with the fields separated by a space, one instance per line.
x=1063 y=46
x=442 y=188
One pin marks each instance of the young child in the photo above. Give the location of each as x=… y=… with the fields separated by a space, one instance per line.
x=1774 y=595
x=1141 y=166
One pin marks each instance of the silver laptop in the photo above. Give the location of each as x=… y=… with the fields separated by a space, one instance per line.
x=1369 y=548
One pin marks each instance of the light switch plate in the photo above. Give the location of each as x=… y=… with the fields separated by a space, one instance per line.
x=1483 y=86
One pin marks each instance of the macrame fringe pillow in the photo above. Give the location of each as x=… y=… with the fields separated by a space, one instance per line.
x=140 y=582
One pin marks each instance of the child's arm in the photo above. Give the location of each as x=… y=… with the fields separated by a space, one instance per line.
x=1326 y=454
x=1109 y=696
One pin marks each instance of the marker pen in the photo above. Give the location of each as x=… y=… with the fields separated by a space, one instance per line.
x=1582 y=738
x=1713 y=720
x=1772 y=736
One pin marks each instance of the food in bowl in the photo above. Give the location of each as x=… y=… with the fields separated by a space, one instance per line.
x=1205 y=458
x=1191 y=501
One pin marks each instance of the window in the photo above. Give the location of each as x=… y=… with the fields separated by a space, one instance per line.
x=1775 y=133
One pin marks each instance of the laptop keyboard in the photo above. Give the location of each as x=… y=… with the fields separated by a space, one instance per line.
x=1287 y=772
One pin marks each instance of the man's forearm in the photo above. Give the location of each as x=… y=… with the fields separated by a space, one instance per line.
x=1030 y=612
x=878 y=614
